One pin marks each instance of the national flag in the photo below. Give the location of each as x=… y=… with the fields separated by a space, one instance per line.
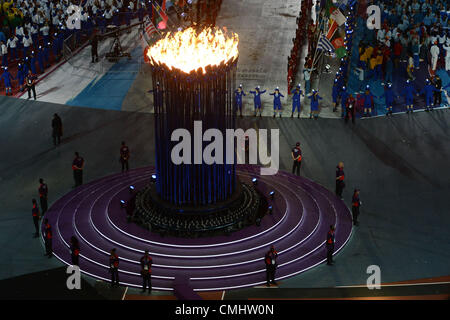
x=161 y=21
x=338 y=42
x=324 y=44
x=332 y=29
x=341 y=52
x=337 y=16
x=149 y=26
x=329 y=7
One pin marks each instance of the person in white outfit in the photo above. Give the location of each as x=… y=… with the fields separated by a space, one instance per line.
x=447 y=55
x=434 y=51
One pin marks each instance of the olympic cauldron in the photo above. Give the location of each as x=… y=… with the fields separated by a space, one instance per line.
x=194 y=75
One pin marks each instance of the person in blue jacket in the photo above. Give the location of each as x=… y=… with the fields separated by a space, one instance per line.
x=238 y=93
x=408 y=92
x=40 y=58
x=314 y=104
x=21 y=75
x=33 y=60
x=428 y=90
x=343 y=95
x=7 y=77
x=296 y=101
x=335 y=94
x=55 y=46
x=388 y=98
x=368 y=102
x=257 y=99
x=47 y=54
x=276 y=101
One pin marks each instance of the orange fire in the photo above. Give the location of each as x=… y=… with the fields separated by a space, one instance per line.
x=188 y=50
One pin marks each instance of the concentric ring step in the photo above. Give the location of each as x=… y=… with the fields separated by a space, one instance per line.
x=303 y=211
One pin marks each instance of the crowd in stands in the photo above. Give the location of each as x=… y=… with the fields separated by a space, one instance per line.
x=33 y=31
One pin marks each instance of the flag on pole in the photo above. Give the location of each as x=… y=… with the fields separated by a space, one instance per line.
x=338 y=42
x=161 y=21
x=148 y=32
x=324 y=44
x=341 y=52
x=337 y=16
x=333 y=27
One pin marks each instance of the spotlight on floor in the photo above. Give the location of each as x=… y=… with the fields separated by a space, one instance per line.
x=122 y=203
x=131 y=189
x=255 y=181
x=270 y=209
x=272 y=194
x=153 y=179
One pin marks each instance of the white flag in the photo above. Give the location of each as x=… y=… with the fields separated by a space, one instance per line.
x=337 y=16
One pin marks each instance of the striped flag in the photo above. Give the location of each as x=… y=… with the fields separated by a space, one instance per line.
x=324 y=44
x=149 y=30
x=332 y=29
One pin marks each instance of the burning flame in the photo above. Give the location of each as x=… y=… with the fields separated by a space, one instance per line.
x=188 y=50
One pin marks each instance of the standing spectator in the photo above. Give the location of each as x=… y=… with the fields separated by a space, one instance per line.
x=4 y=52
x=36 y=216
x=30 y=81
x=94 y=47
x=271 y=265
x=43 y=195
x=124 y=156
x=330 y=245
x=340 y=184
x=12 y=45
x=75 y=251
x=434 y=51
x=48 y=238
x=146 y=271
x=57 y=130
x=77 y=167
x=356 y=203
x=114 y=267
x=297 y=158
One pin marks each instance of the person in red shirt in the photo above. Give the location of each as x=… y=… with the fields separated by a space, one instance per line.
x=350 y=107
x=270 y=260
x=77 y=167
x=114 y=267
x=36 y=216
x=340 y=179
x=356 y=203
x=146 y=271
x=48 y=236
x=43 y=193
x=330 y=245
x=398 y=48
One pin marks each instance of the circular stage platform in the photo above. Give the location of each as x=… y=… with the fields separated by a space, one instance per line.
x=302 y=214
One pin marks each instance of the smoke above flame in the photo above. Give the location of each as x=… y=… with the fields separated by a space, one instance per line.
x=190 y=50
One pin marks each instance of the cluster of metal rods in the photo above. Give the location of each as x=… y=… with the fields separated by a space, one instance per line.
x=179 y=100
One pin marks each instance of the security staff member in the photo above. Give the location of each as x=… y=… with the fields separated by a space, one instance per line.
x=330 y=245
x=36 y=216
x=30 y=82
x=297 y=157
x=271 y=265
x=43 y=193
x=437 y=82
x=77 y=167
x=356 y=203
x=48 y=238
x=146 y=272
x=57 y=131
x=124 y=156
x=340 y=179
x=74 y=251
x=114 y=267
